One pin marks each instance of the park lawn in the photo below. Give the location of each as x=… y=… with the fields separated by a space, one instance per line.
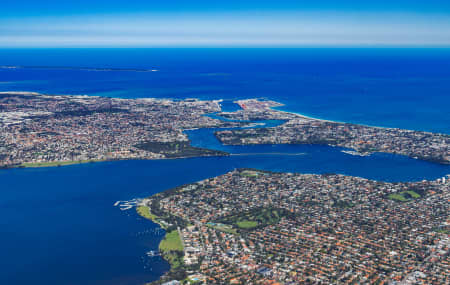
x=172 y=249
x=171 y=246
x=247 y=224
x=397 y=197
x=171 y=242
x=413 y=194
x=254 y=218
x=144 y=211
x=404 y=196
x=223 y=228
x=249 y=173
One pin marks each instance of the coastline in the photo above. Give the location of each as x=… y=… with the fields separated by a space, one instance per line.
x=278 y=108
x=145 y=212
x=214 y=153
x=75 y=162
x=341 y=122
x=171 y=246
x=281 y=105
x=57 y=163
x=218 y=101
x=302 y=115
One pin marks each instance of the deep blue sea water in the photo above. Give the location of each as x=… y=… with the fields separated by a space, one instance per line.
x=407 y=88
x=59 y=225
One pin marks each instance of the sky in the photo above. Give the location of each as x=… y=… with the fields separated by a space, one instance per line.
x=231 y=23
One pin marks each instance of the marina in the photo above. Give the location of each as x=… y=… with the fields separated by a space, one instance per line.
x=127 y=205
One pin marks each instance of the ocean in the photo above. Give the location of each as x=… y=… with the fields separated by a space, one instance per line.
x=59 y=225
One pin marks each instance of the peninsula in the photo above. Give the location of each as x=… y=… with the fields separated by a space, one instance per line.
x=299 y=129
x=289 y=228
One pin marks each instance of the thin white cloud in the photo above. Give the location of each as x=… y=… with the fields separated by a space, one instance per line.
x=244 y=29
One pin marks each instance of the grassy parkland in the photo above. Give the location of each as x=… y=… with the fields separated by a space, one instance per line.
x=222 y=227
x=171 y=247
x=144 y=212
x=247 y=224
x=255 y=218
x=404 y=196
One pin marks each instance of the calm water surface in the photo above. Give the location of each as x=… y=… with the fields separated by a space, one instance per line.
x=59 y=225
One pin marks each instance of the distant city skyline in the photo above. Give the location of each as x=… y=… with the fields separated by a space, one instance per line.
x=231 y=24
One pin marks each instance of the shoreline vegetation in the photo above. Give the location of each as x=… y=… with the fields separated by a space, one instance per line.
x=57 y=163
x=172 y=150
x=182 y=149
x=170 y=247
